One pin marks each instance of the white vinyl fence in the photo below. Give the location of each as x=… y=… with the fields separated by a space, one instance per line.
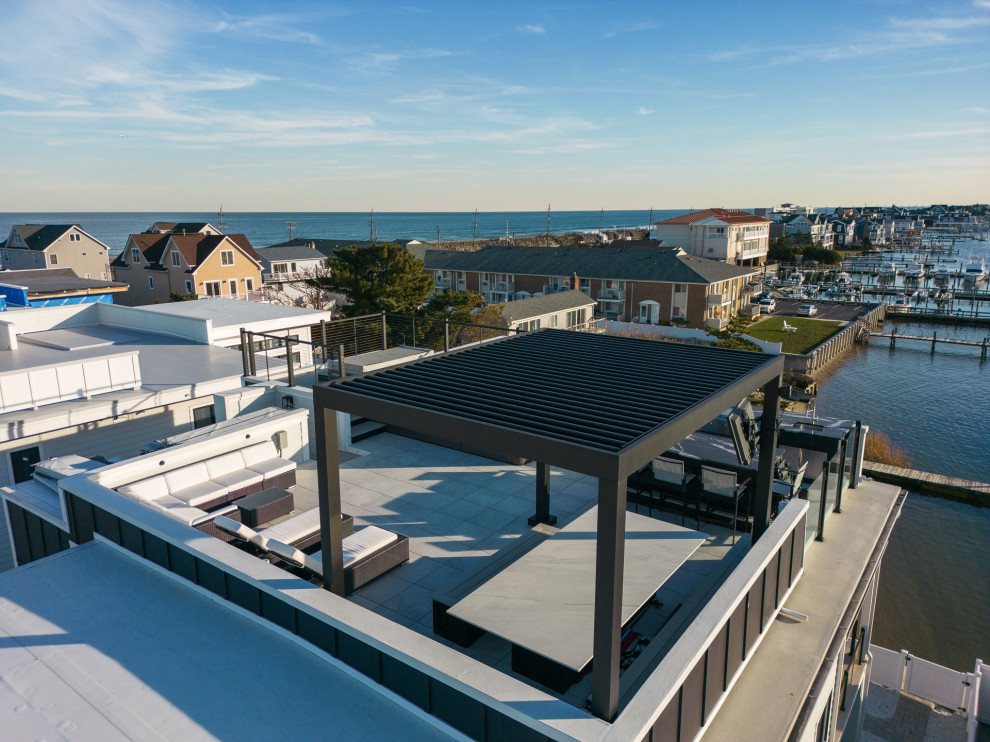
x=958 y=691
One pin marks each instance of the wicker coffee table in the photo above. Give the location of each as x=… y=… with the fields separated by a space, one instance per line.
x=265 y=506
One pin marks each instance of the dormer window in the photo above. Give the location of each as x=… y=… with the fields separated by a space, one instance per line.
x=135 y=255
x=226 y=257
x=53 y=259
x=175 y=259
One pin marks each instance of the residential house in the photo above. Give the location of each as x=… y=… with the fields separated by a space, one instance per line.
x=663 y=284
x=728 y=235
x=797 y=224
x=203 y=264
x=32 y=246
x=48 y=287
x=563 y=310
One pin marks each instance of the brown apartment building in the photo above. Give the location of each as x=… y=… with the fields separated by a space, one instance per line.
x=648 y=284
x=35 y=246
x=203 y=263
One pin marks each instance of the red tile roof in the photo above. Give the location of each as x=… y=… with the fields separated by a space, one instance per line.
x=730 y=216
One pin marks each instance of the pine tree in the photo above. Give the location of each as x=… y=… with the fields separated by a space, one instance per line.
x=378 y=277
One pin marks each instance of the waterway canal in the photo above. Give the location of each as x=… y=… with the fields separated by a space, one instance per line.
x=934 y=595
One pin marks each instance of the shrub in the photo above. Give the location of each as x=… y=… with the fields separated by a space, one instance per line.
x=881 y=450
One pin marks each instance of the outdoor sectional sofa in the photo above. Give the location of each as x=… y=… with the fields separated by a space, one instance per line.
x=196 y=493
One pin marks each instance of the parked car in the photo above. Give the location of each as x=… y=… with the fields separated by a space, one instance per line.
x=767 y=305
x=807 y=310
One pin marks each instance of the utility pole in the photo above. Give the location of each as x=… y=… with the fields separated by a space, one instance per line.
x=438 y=237
x=371 y=232
x=548 y=225
x=290 y=226
x=600 y=215
x=474 y=238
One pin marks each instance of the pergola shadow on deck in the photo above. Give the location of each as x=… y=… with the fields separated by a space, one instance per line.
x=599 y=405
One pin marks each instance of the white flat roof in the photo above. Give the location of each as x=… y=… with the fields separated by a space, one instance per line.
x=98 y=645
x=237 y=312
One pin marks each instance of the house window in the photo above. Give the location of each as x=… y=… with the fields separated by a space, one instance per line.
x=135 y=255
x=212 y=288
x=553 y=321
x=189 y=287
x=232 y=285
x=279 y=268
x=226 y=257
x=680 y=288
x=151 y=282
x=104 y=275
x=175 y=259
x=53 y=259
x=203 y=416
x=249 y=284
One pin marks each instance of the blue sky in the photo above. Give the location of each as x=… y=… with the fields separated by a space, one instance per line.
x=117 y=105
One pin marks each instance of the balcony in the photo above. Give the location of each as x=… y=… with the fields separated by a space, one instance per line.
x=501 y=286
x=717 y=300
x=555 y=288
x=716 y=323
x=613 y=295
x=443 y=283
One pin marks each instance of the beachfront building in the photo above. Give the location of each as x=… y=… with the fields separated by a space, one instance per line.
x=201 y=264
x=285 y=268
x=655 y=285
x=501 y=563
x=34 y=246
x=563 y=310
x=728 y=235
x=53 y=287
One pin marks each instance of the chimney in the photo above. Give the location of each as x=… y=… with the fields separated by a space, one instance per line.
x=312 y=245
x=576 y=284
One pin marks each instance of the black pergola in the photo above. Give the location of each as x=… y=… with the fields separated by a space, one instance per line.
x=599 y=405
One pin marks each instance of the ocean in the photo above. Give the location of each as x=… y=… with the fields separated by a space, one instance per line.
x=271 y=228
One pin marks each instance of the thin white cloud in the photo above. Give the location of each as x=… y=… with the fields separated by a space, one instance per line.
x=940 y=133
x=21 y=95
x=643 y=111
x=630 y=28
x=530 y=28
x=382 y=62
x=946 y=24
x=273 y=27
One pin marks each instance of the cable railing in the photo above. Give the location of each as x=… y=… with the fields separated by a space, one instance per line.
x=330 y=343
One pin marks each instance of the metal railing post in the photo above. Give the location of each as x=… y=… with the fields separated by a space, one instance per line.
x=446 y=335
x=341 y=372
x=253 y=361
x=288 y=357
x=244 y=353
x=384 y=333
x=414 y=332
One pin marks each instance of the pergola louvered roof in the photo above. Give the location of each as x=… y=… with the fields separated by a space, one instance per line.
x=591 y=403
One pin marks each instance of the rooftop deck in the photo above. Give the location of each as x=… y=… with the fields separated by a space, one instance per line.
x=458 y=510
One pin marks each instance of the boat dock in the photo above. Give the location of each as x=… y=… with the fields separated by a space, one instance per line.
x=934 y=339
x=925 y=482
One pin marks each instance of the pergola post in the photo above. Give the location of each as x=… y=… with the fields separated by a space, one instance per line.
x=328 y=473
x=609 y=562
x=763 y=495
x=542 y=514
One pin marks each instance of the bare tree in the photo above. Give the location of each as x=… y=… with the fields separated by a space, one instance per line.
x=303 y=289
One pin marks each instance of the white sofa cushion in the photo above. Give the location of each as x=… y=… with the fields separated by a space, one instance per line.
x=243 y=532
x=356 y=546
x=181 y=511
x=186 y=476
x=259 y=452
x=289 y=553
x=146 y=489
x=200 y=493
x=236 y=480
x=272 y=467
x=225 y=464
x=294 y=528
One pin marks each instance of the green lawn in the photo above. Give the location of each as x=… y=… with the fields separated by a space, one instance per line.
x=810 y=332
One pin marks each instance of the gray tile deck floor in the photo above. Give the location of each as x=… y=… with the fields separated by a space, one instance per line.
x=899 y=717
x=457 y=510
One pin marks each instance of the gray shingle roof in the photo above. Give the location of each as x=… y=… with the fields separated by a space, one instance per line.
x=52 y=280
x=40 y=236
x=635 y=264
x=515 y=311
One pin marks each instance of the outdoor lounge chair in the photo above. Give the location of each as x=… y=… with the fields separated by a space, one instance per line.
x=788 y=328
x=720 y=488
x=669 y=474
x=789 y=485
x=368 y=553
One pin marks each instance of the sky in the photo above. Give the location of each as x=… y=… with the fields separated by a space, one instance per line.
x=115 y=105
